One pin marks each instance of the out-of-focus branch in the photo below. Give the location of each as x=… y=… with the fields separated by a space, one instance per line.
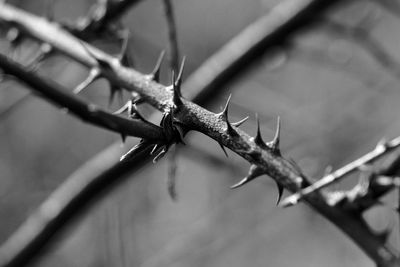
x=274 y=29
x=88 y=112
x=172 y=34
x=101 y=15
x=364 y=39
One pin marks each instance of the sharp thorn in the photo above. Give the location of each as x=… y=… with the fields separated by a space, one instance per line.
x=258 y=139
x=126 y=107
x=100 y=59
x=274 y=144
x=123 y=137
x=154 y=149
x=143 y=144
x=50 y=10
x=178 y=81
x=244 y=181
x=177 y=95
x=238 y=123
x=328 y=170
x=124 y=35
x=254 y=172
x=280 y=193
x=230 y=130
x=113 y=91
x=223 y=149
x=160 y=155
x=94 y=74
x=290 y=201
x=180 y=131
x=155 y=74
x=224 y=113
x=134 y=113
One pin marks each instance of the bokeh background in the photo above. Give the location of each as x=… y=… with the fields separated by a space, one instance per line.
x=336 y=100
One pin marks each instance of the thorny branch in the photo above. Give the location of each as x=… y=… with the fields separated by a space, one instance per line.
x=381 y=149
x=265 y=158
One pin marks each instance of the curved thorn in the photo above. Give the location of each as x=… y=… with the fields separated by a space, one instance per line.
x=136 y=114
x=100 y=59
x=176 y=94
x=223 y=149
x=274 y=144
x=94 y=74
x=244 y=181
x=224 y=113
x=113 y=91
x=258 y=139
x=162 y=153
x=124 y=108
x=254 y=172
x=155 y=74
x=178 y=81
x=238 y=123
x=280 y=193
x=180 y=132
x=230 y=130
x=124 y=35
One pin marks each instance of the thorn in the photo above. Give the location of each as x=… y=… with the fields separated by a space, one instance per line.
x=143 y=144
x=290 y=201
x=154 y=149
x=238 y=123
x=181 y=132
x=14 y=36
x=50 y=10
x=136 y=98
x=382 y=144
x=103 y=61
x=328 y=170
x=223 y=149
x=178 y=81
x=274 y=144
x=232 y=132
x=280 y=192
x=161 y=154
x=124 y=36
x=223 y=115
x=177 y=96
x=113 y=91
x=123 y=137
x=155 y=74
x=134 y=113
x=258 y=139
x=125 y=107
x=254 y=172
x=94 y=74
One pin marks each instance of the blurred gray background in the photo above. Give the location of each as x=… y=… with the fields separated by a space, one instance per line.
x=335 y=100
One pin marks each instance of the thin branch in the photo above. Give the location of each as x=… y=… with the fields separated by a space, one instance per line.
x=172 y=34
x=380 y=150
x=195 y=118
x=390 y=167
x=88 y=112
